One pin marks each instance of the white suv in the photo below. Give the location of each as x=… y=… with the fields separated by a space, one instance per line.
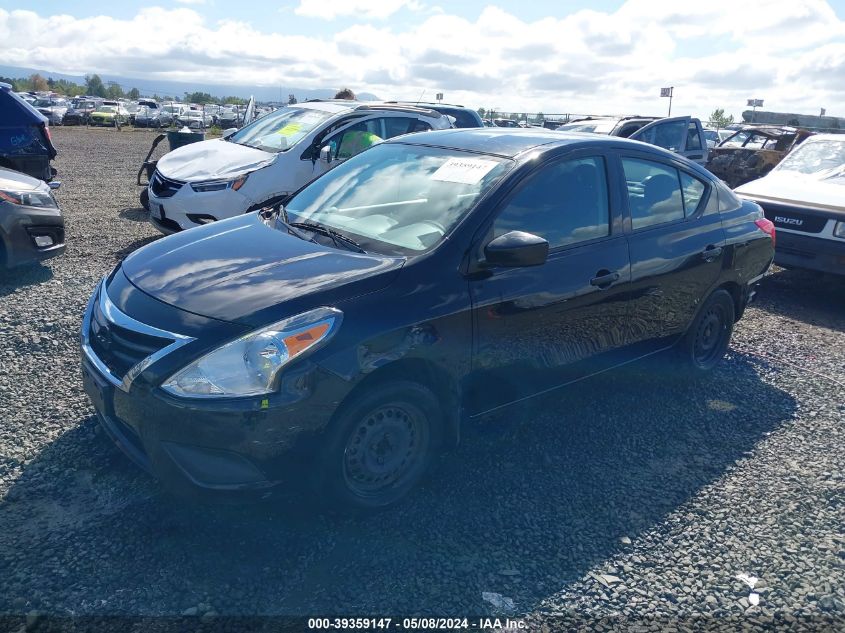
x=271 y=158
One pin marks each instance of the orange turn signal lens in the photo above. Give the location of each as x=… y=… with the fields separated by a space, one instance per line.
x=299 y=342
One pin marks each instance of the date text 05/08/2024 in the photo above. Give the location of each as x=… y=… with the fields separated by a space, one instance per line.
x=417 y=624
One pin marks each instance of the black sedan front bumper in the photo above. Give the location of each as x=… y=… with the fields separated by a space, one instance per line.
x=812 y=253
x=29 y=234
x=241 y=446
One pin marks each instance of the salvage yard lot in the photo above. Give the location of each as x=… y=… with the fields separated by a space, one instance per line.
x=648 y=497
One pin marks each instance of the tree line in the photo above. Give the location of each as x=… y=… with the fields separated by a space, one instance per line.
x=94 y=86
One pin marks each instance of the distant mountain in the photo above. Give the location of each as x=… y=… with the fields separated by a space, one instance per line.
x=149 y=87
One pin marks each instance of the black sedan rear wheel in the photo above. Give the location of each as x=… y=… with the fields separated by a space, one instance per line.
x=709 y=335
x=379 y=447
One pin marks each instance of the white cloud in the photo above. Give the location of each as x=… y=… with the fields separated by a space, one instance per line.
x=363 y=9
x=715 y=54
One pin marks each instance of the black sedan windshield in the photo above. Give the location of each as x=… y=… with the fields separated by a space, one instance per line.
x=404 y=196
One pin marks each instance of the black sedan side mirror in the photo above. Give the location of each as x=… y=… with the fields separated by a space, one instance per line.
x=515 y=249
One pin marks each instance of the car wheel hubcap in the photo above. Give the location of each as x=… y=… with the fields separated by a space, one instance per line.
x=384 y=449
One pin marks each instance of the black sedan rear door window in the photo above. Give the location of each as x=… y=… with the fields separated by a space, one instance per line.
x=654 y=193
x=564 y=203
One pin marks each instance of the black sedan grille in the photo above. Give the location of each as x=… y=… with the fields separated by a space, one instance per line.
x=164 y=187
x=785 y=216
x=120 y=348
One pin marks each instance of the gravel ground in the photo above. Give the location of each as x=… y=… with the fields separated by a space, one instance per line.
x=641 y=507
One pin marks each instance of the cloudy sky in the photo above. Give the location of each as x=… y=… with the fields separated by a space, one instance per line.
x=595 y=56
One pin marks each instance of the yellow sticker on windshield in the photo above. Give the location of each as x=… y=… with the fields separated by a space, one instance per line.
x=290 y=129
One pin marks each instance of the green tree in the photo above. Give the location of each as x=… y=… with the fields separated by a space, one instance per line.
x=198 y=97
x=481 y=112
x=114 y=91
x=134 y=93
x=540 y=118
x=67 y=88
x=94 y=86
x=719 y=120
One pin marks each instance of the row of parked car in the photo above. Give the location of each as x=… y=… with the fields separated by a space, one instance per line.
x=96 y=111
x=255 y=167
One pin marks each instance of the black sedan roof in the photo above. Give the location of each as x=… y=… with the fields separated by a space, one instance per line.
x=506 y=142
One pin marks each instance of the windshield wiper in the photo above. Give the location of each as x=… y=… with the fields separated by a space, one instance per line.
x=280 y=210
x=336 y=236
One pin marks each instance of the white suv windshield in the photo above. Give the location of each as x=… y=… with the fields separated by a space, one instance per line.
x=823 y=157
x=280 y=130
x=405 y=197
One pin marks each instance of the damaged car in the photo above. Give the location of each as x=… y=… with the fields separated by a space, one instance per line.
x=752 y=152
x=25 y=142
x=32 y=227
x=270 y=158
x=804 y=196
x=341 y=340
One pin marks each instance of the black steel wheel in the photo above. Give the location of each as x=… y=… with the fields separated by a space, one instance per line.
x=379 y=446
x=385 y=448
x=709 y=335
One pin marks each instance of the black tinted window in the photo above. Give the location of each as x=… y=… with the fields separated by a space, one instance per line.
x=666 y=135
x=564 y=203
x=693 y=139
x=693 y=190
x=463 y=118
x=654 y=192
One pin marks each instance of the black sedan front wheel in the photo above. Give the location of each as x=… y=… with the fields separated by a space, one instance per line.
x=379 y=447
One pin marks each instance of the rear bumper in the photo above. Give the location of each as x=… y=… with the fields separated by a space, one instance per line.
x=811 y=253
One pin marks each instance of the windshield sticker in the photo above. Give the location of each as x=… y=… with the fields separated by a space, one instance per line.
x=290 y=129
x=466 y=171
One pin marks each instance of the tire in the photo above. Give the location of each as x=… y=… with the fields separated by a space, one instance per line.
x=707 y=339
x=145 y=198
x=378 y=447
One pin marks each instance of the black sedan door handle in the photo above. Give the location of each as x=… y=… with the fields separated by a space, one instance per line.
x=710 y=253
x=604 y=278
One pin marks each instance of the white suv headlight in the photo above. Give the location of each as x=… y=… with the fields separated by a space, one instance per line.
x=248 y=366
x=219 y=185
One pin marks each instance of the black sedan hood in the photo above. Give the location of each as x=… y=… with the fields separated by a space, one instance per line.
x=244 y=271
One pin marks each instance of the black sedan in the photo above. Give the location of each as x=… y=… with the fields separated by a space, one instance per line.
x=31 y=225
x=344 y=338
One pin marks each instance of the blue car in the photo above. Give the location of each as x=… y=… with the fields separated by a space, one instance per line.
x=25 y=143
